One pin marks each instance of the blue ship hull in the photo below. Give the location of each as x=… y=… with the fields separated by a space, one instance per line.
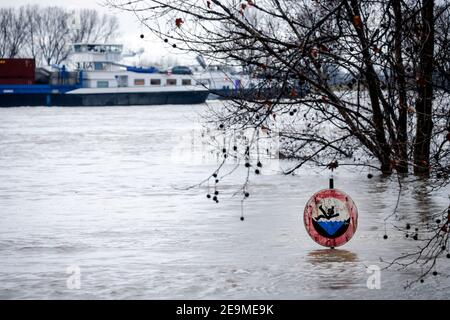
x=251 y=94
x=46 y=96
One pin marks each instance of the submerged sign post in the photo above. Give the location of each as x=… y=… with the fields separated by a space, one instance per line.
x=330 y=217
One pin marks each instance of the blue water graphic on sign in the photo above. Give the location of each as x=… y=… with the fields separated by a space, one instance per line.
x=331 y=226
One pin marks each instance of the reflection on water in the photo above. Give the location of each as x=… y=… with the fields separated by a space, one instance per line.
x=424 y=203
x=98 y=188
x=334 y=268
x=318 y=257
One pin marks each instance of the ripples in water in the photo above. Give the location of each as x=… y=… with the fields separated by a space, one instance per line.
x=100 y=188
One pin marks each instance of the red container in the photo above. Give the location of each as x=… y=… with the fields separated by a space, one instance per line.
x=17 y=69
x=16 y=81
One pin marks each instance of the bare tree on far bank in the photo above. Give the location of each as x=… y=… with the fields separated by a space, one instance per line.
x=45 y=33
x=376 y=76
x=13 y=30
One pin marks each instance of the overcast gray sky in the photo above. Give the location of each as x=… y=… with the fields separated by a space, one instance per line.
x=130 y=28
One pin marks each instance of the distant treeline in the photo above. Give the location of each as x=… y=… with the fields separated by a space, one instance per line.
x=45 y=33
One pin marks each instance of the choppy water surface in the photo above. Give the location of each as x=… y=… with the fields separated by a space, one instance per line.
x=99 y=188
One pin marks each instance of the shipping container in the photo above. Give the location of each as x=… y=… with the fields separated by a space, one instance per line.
x=17 y=69
x=16 y=81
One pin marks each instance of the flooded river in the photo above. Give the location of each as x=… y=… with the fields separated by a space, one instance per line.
x=99 y=191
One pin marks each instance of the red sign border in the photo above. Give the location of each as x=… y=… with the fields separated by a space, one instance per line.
x=352 y=210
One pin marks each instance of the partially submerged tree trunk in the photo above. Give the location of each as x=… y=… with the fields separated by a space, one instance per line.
x=373 y=86
x=402 y=128
x=424 y=103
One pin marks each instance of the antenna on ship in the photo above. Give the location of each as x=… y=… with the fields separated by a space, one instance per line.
x=201 y=61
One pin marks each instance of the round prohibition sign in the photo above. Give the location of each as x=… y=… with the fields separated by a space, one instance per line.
x=331 y=217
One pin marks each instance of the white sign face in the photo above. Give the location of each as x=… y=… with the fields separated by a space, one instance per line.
x=330 y=217
x=330 y=214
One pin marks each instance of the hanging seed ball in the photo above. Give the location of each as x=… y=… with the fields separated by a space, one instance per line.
x=421 y=280
x=247 y=194
x=438 y=220
x=142 y=36
x=408 y=226
x=215 y=198
x=257 y=171
x=208 y=196
x=234 y=148
x=443 y=248
x=435 y=273
x=448 y=255
x=216 y=192
x=385 y=237
x=295 y=110
x=370 y=176
x=417 y=229
x=215 y=175
x=174 y=45
x=217 y=180
x=416 y=237
x=225 y=155
x=406 y=235
x=291 y=113
x=221 y=126
x=166 y=40
x=242 y=218
x=224 y=150
x=259 y=164
x=247 y=165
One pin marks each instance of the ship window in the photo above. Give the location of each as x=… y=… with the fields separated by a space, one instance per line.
x=171 y=82
x=98 y=66
x=186 y=82
x=139 y=82
x=102 y=84
x=155 y=82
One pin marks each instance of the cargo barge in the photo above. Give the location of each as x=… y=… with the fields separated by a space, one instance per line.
x=97 y=78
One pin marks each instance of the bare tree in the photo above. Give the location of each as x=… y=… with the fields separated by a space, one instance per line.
x=44 y=33
x=13 y=30
x=93 y=27
x=388 y=110
x=30 y=49
x=375 y=43
x=51 y=34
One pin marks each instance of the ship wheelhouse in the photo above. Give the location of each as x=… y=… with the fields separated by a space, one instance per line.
x=101 y=68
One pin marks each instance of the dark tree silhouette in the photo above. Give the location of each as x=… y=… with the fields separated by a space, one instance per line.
x=13 y=26
x=356 y=81
x=45 y=33
x=383 y=53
